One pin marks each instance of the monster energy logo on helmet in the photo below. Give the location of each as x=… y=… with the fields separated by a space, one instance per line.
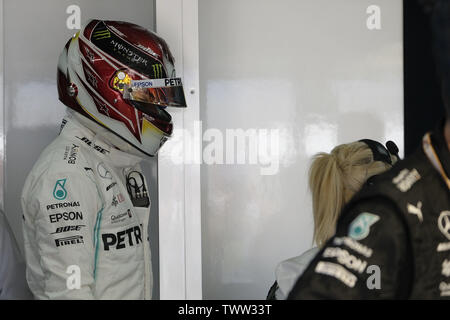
x=101 y=34
x=157 y=70
x=126 y=53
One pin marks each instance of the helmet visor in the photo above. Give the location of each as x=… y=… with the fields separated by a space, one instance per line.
x=166 y=92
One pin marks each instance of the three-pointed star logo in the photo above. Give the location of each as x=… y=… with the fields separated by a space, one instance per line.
x=444 y=223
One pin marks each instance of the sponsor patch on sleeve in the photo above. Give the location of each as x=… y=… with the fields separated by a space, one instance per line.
x=336 y=271
x=354 y=245
x=360 y=227
x=406 y=179
x=346 y=259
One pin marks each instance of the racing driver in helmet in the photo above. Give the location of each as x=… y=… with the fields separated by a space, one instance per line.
x=86 y=202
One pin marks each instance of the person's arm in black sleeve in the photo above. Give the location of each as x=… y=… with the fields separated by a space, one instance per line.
x=368 y=258
x=271 y=295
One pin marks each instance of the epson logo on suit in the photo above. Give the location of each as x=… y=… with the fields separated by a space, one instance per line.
x=66 y=216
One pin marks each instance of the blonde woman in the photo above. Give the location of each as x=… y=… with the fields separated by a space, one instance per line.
x=333 y=179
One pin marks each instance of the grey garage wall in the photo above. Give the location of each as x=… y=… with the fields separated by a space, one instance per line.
x=314 y=71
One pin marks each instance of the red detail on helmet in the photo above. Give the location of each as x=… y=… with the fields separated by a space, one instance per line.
x=141 y=38
x=64 y=96
x=100 y=61
x=72 y=90
x=89 y=28
x=164 y=126
x=125 y=112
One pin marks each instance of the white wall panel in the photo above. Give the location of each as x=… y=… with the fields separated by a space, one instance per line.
x=314 y=71
x=179 y=177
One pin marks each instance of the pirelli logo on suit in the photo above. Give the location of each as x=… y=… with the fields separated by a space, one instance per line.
x=69 y=241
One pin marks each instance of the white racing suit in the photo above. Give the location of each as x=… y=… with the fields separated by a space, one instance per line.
x=86 y=209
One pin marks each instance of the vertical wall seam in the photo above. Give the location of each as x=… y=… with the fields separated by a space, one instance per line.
x=2 y=105
x=184 y=166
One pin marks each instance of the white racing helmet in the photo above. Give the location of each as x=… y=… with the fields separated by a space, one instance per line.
x=119 y=78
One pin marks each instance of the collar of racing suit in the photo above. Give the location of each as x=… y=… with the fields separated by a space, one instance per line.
x=75 y=131
x=435 y=147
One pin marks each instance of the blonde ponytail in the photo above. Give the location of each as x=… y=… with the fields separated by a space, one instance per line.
x=325 y=179
x=334 y=178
